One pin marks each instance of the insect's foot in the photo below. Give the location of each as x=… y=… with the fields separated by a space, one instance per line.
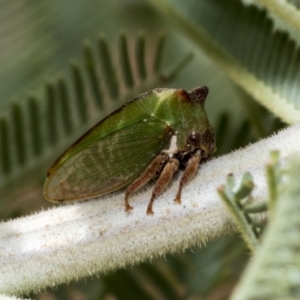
x=150 y=211
x=177 y=200
x=128 y=208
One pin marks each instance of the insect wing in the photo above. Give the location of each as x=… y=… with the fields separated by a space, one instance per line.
x=109 y=164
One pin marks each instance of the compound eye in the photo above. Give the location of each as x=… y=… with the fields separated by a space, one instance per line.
x=194 y=139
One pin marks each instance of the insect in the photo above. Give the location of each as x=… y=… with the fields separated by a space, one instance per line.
x=153 y=135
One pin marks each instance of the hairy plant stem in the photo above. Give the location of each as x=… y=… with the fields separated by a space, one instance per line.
x=69 y=242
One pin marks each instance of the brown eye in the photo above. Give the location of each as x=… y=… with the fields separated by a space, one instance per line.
x=194 y=139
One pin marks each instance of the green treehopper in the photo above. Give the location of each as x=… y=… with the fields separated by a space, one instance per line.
x=155 y=134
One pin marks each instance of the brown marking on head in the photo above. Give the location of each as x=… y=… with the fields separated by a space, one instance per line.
x=183 y=95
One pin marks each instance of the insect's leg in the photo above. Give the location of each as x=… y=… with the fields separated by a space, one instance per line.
x=165 y=177
x=148 y=174
x=189 y=172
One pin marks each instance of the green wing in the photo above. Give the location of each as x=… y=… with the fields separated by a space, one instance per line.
x=108 y=164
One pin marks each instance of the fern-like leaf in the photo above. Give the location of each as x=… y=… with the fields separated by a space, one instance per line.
x=243 y=41
x=38 y=129
x=273 y=271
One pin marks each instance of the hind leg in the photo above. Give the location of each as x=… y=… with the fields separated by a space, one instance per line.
x=145 y=177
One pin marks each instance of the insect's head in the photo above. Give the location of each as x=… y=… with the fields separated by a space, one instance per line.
x=204 y=139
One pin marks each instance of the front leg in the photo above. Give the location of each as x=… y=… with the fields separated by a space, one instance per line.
x=189 y=172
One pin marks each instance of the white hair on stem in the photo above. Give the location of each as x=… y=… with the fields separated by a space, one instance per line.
x=70 y=242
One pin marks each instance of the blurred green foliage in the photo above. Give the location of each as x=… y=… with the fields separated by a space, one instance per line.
x=37 y=42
